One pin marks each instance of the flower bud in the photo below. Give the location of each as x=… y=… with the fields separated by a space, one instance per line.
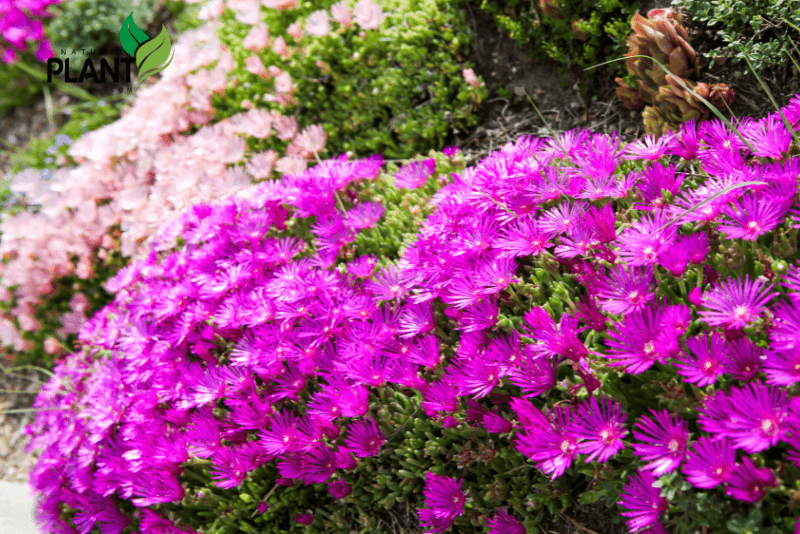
x=696 y=297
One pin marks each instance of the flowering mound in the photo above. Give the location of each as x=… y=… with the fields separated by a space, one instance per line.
x=575 y=321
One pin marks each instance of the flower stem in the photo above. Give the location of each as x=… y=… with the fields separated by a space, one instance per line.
x=682 y=286
x=195 y=476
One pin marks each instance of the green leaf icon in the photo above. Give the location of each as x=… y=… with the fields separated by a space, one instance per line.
x=131 y=36
x=152 y=54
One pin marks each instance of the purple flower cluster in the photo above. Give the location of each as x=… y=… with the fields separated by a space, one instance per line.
x=141 y=414
x=20 y=25
x=544 y=260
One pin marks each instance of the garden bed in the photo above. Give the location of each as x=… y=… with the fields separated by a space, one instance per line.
x=502 y=120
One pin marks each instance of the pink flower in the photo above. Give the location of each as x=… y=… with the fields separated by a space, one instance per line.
x=643 y=502
x=365 y=439
x=261 y=164
x=283 y=83
x=291 y=165
x=696 y=297
x=312 y=139
x=52 y=346
x=254 y=65
x=444 y=496
x=749 y=483
x=257 y=38
x=602 y=426
x=9 y=56
x=279 y=4
x=247 y=11
x=324 y=67
x=504 y=523
x=736 y=303
x=471 y=78
x=280 y=47
x=295 y=31
x=318 y=23
x=368 y=15
x=285 y=127
x=341 y=14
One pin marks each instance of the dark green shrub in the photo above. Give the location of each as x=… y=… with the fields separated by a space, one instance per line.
x=94 y=24
x=752 y=27
x=574 y=33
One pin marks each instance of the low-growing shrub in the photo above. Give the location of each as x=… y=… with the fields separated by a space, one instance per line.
x=571 y=32
x=755 y=28
x=94 y=24
x=576 y=321
x=386 y=77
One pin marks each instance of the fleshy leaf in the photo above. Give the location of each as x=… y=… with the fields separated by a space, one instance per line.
x=152 y=54
x=131 y=36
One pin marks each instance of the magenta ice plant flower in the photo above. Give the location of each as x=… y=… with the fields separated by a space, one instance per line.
x=643 y=502
x=413 y=175
x=627 y=290
x=365 y=438
x=748 y=483
x=649 y=147
x=744 y=359
x=304 y=519
x=754 y=216
x=504 y=523
x=552 y=447
x=705 y=361
x=602 y=428
x=710 y=462
x=665 y=439
x=339 y=489
x=443 y=496
x=736 y=302
x=641 y=339
x=755 y=417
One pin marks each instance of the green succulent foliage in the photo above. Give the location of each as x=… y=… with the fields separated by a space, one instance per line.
x=753 y=27
x=398 y=90
x=585 y=33
x=94 y=24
